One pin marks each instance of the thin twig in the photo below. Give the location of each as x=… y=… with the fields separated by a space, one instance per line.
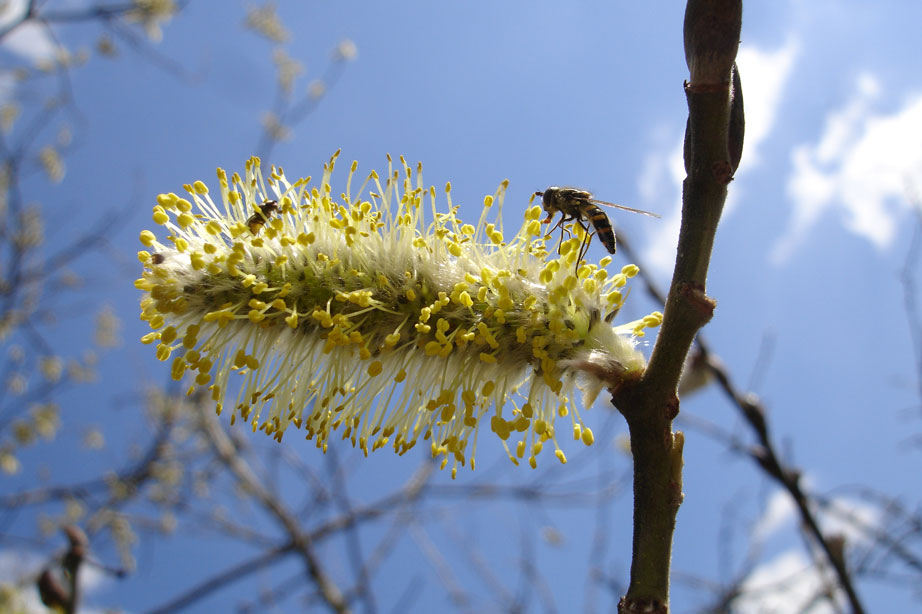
x=713 y=143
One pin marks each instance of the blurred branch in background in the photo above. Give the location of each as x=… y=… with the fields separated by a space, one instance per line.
x=291 y=529
x=890 y=537
x=712 y=149
x=289 y=109
x=42 y=246
x=37 y=264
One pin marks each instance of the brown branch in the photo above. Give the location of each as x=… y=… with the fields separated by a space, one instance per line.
x=226 y=577
x=394 y=502
x=765 y=453
x=788 y=477
x=291 y=113
x=52 y=593
x=649 y=405
x=303 y=543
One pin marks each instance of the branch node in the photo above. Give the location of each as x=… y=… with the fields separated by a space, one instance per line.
x=707 y=88
x=672 y=408
x=712 y=37
x=792 y=477
x=722 y=172
x=642 y=606
x=675 y=455
x=693 y=292
x=736 y=131
x=51 y=592
x=753 y=411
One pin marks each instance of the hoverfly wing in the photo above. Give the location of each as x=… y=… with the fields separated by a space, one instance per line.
x=623 y=207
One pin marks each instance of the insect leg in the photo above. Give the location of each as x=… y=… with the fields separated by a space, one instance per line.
x=584 y=247
x=563 y=229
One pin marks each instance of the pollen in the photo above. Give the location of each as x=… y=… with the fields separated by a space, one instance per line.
x=354 y=316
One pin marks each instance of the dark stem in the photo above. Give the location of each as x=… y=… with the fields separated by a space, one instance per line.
x=712 y=29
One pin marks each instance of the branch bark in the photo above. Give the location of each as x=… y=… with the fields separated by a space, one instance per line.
x=301 y=541
x=713 y=145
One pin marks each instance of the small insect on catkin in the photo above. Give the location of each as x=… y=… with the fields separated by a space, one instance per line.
x=578 y=206
x=377 y=316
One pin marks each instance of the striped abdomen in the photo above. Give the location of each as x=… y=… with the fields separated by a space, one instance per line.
x=594 y=214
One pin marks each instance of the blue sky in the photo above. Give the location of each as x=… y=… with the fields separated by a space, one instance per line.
x=807 y=260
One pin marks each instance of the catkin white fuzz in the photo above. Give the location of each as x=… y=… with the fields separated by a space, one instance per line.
x=377 y=316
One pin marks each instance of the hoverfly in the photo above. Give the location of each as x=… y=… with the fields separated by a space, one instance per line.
x=264 y=213
x=579 y=206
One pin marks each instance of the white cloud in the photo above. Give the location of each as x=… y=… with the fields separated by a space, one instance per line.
x=764 y=75
x=785 y=585
x=779 y=511
x=841 y=517
x=12 y=11
x=790 y=581
x=662 y=179
x=29 y=40
x=846 y=517
x=22 y=568
x=15 y=565
x=858 y=168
